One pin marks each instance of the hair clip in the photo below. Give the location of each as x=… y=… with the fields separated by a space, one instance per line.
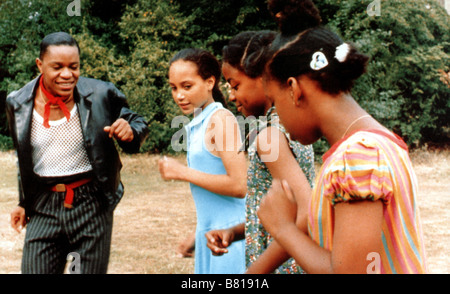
x=342 y=52
x=319 y=61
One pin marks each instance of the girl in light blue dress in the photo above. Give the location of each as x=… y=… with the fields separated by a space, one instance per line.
x=216 y=170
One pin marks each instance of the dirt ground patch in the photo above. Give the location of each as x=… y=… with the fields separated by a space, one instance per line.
x=154 y=216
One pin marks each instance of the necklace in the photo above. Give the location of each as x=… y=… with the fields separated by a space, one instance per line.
x=41 y=96
x=354 y=122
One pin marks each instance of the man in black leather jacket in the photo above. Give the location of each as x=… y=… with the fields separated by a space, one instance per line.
x=69 y=168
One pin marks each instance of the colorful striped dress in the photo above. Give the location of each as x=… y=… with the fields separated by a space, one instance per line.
x=372 y=165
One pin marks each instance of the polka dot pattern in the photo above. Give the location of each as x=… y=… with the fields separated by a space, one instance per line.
x=58 y=150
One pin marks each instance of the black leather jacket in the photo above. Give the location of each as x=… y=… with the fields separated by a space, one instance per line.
x=99 y=104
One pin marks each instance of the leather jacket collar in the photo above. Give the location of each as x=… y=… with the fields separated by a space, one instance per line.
x=24 y=106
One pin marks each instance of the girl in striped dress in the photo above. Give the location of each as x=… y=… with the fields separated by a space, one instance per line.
x=363 y=215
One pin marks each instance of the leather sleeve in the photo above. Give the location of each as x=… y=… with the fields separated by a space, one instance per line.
x=138 y=124
x=10 y=117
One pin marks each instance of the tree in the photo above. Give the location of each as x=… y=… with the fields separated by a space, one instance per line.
x=406 y=87
x=22 y=25
x=214 y=23
x=152 y=29
x=130 y=42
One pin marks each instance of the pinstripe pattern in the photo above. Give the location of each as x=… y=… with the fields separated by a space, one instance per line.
x=54 y=231
x=372 y=165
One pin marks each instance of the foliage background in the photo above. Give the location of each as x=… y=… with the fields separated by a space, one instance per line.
x=129 y=42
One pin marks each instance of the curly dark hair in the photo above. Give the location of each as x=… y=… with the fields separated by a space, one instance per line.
x=292 y=58
x=294 y=16
x=246 y=51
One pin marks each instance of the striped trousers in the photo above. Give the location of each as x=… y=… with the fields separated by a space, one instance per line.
x=55 y=231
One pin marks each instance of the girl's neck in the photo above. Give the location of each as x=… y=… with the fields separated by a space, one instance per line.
x=337 y=115
x=343 y=116
x=200 y=109
x=262 y=111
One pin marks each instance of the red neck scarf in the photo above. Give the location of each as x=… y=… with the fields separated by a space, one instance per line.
x=52 y=100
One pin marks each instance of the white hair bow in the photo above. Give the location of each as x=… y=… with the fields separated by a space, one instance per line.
x=342 y=52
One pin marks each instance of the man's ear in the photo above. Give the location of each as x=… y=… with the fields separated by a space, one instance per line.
x=295 y=90
x=39 y=64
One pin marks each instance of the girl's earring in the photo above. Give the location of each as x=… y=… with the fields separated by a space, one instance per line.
x=292 y=98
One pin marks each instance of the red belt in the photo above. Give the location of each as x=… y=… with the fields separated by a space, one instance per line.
x=68 y=188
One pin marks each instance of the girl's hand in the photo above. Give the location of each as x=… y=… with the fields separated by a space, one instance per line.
x=219 y=240
x=170 y=169
x=187 y=247
x=278 y=208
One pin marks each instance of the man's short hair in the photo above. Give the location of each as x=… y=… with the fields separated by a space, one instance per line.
x=57 y=39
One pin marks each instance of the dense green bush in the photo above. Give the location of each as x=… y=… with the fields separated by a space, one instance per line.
x=408 y=44
x=129 y=42
x=22 y=26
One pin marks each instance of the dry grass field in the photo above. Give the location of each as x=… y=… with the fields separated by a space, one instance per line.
x=154 y=216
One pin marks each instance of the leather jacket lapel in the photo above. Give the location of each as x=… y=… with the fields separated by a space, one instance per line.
x=83 y=98
x=84 y=105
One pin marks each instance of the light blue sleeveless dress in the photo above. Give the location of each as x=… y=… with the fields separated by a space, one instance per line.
x=214 y=211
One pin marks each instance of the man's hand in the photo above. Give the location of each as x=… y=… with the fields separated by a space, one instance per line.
x=18 y=220
x=121 y=130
